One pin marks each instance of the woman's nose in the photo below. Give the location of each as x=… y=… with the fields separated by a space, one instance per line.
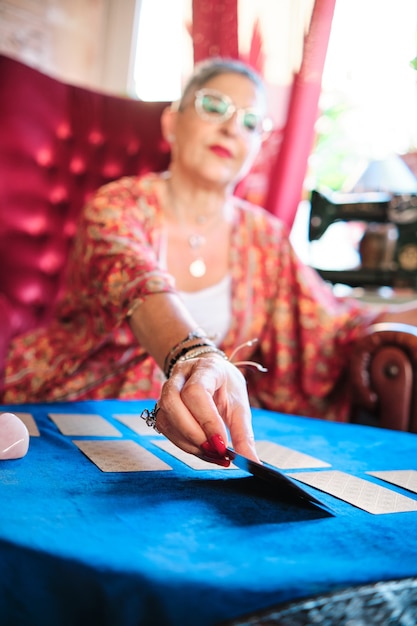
x=232 y=124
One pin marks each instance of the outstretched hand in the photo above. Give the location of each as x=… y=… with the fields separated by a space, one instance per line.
x=203 y=400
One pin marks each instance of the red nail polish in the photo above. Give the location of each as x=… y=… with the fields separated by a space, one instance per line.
x=212 y=456
x=208 y=448
x=218 y=444
x=223 y=462
x=216 y=459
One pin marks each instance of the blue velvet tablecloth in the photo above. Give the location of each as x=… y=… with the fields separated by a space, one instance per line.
x=186 y=547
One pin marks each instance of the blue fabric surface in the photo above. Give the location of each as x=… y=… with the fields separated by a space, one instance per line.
x=185 y=547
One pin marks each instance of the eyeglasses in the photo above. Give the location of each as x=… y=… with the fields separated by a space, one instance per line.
x=216 y=107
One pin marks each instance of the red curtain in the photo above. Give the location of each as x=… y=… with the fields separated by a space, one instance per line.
x=214 y=29
x=288 y=173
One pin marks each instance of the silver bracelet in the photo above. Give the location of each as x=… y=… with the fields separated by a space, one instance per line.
x=184 y=351
x=193 y=354
x=195 y=334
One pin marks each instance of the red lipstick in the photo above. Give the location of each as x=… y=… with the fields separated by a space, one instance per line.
x=221 y=151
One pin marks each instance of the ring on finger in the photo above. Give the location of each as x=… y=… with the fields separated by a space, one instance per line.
x=150 y=417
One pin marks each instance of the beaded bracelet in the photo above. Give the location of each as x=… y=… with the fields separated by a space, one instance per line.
x=194 y=351
x=197 y=351
x=195 y=334
x=183 y=352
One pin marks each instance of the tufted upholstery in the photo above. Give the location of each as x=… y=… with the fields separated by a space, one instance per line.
x=58 y=143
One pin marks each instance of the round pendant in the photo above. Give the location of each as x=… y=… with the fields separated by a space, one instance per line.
x=196 y=241
x=197 y=268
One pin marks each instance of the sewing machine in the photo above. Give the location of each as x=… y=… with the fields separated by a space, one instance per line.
x=388 y=248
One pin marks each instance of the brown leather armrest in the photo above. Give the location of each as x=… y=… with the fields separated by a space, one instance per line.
x=383 y=372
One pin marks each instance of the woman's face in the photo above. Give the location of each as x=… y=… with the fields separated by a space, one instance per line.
x=218 y=152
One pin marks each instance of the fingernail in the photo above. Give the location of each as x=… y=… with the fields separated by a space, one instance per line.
x=209 y=451
x=216 y=459
x=218 y=444
x=212 y=455
x=207 y=448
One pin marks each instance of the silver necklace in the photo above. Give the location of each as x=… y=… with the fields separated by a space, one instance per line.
x=197 y=268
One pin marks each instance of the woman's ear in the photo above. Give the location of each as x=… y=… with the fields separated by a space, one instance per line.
x=168 y=123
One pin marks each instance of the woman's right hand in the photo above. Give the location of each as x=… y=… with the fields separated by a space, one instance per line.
x=203 y=400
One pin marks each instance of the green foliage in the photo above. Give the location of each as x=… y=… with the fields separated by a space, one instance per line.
x=343 y=145
x=335 y=154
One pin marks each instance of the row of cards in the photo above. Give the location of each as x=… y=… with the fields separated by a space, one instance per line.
x=117 y=454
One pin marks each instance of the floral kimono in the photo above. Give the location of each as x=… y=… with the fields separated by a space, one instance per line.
x=303 y=331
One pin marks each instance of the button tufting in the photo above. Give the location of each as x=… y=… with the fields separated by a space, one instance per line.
x=24 y=221
x=78 y=147
x=63 y=131
x=96 y=138
x=70 y=228
x=112 y=170
x=30 y=292
x=133 y=146
x=77 y=165
x=44 y=157
x=58 y=195
x=35 y=225
x=52 y=261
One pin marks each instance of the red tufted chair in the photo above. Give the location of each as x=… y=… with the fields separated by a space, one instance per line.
x=58 y=144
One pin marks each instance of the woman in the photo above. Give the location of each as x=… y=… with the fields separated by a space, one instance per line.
x=160 y=257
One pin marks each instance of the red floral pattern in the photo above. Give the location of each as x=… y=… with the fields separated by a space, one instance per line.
x=88 y=352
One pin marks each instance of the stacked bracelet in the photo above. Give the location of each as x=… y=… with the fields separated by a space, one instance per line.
x=182 y=353
x=193 y=352
x=195 y=334
x=196 y=351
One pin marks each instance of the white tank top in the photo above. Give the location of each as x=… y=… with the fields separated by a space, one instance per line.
x=211 y=308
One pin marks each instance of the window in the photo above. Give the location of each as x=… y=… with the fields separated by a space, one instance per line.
x=163 y=50
x=369 y=90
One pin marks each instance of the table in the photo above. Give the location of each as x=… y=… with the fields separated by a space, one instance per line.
x=187 y=547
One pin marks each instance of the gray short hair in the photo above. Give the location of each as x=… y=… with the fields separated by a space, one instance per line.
x=215 y=66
